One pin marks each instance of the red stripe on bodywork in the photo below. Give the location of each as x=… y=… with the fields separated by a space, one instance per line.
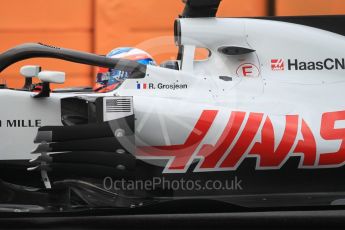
x=307 y=146
x=269 y=157
x=182 y=153
x=329 y=132
x=246 y=138
x=212 y=154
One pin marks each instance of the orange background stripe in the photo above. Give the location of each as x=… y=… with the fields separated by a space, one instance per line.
x=101 y=25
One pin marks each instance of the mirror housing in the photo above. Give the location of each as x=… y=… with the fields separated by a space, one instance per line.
x=52 y=77
x=29 y=72
x=48 y=77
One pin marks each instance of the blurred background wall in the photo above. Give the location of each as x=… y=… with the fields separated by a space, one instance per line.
x=101 y=25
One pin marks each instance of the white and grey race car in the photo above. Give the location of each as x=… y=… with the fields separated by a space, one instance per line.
x=259 y=123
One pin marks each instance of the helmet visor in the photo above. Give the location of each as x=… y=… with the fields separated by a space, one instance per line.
x=109 y=79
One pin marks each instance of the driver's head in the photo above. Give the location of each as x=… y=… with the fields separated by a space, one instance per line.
x=109 y=79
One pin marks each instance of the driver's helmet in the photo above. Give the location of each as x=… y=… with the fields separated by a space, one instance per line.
x=110 y=79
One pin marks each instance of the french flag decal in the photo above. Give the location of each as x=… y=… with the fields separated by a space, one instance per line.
x=141 y=86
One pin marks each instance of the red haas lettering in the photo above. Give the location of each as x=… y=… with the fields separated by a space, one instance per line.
x=212 y=154
x=247 y=136
x=307 y=146
x=328 y=132
x=181 y=154
x=265 y=149
x=219 y=157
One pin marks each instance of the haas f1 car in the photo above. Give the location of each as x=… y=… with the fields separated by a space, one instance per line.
x=259 y=123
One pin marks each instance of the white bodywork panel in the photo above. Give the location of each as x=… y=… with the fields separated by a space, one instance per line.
x=168 y=103
x=17 y=142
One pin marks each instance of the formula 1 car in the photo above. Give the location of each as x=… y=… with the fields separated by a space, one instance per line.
x=259 y=123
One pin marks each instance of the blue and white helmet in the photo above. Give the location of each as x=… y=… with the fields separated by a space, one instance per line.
x=110 y=79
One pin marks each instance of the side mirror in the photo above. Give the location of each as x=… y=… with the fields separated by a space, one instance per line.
x=29 y=71
x=48 y=77
x=52 y=77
